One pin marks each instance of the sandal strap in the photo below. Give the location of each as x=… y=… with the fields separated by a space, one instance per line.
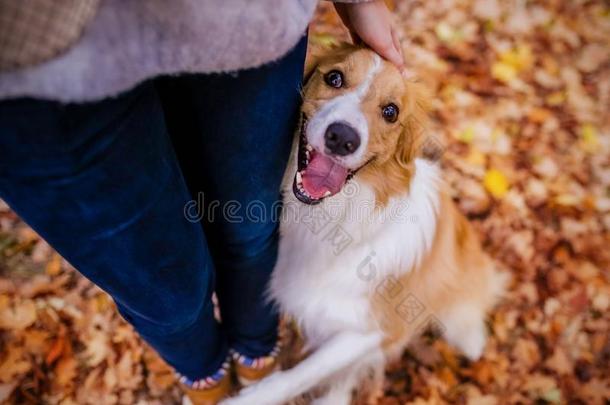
x=257 y=362
x=209 y=381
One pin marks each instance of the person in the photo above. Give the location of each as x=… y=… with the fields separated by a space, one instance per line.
x=115 y=115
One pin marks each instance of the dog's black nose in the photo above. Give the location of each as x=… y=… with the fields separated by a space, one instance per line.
x=341 y=139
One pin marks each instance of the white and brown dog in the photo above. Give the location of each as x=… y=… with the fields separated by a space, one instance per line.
x=364 y=268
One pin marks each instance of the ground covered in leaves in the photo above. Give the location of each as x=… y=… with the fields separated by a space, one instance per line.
x=522 y=111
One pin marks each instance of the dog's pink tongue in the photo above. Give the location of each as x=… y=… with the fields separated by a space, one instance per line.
x=323 y=174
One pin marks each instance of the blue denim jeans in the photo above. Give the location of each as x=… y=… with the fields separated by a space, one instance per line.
x=134 y=190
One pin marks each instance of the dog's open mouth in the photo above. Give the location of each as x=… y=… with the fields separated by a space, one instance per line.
x=318 y=176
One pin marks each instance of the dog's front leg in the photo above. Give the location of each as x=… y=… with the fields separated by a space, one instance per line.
x=337 y=354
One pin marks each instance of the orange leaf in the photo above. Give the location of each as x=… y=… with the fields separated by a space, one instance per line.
x=53 y=267
x=57 y=349
x=66 y=370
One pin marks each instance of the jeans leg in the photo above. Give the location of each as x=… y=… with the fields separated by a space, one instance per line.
x=101 y=183
x=233 y=133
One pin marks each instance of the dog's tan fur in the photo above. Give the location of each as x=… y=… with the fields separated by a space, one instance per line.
x=455 y=272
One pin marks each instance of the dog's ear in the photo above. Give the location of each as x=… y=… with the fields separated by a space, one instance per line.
x=319 y=51
x=315 y=53
x=414 y=140
x=311 y=63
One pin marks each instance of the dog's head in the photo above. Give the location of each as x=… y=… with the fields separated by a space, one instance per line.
x=361 y=117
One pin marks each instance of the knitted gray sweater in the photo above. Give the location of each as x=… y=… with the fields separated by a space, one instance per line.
x=129 y=41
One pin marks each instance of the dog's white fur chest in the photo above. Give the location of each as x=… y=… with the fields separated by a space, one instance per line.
x=333 y=254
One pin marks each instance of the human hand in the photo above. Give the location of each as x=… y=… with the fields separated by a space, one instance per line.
x=370 y=22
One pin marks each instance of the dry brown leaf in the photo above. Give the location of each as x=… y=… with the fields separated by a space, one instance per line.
x=14 y=365
x=97 y=347
x=6 y=389
x=36 y=341
x=473 y=198
x=596 y=391
x=66 y=370
x=20 y=315
x=526 y=353
x=127 y=373
x=559 y=362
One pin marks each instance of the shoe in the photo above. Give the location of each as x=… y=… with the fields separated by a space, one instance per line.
x=211 y=395
x=250 y=370
x=208 y=391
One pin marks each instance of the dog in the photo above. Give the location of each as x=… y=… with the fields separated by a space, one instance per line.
x=372 y=248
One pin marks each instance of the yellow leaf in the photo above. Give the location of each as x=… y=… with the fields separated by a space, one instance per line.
x=568 y=200
x=588 y=133
x=449 y=91
x=447 y=33
x=467 y=135
x=496 y=183
x=553 y=395
x=511 y=62
x=102 y=303
x=496 y=134
x=556 y=98
x=444 y=32
x=503 y=72
x=520 y=58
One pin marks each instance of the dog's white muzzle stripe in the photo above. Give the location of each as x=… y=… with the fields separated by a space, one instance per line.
x=345 y=108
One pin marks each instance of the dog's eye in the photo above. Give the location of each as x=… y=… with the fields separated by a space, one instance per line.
x=334 y=78
x=390 y=112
